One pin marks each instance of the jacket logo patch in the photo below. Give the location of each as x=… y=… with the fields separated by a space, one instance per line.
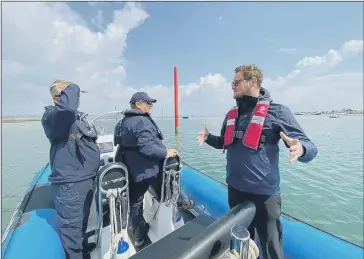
x=262 y=109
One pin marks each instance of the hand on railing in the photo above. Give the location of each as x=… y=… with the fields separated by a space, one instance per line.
x=171 y=153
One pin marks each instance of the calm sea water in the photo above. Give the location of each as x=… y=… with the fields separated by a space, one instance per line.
x=327 y=193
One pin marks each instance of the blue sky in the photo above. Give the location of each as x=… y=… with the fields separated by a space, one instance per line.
x=205 y=40
x=201 y=38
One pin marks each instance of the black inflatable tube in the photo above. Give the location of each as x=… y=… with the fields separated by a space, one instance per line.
x=215 y=239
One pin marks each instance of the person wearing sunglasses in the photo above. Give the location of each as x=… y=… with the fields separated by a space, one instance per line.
x=250 y=135
x=141 y=149
x=74 y=161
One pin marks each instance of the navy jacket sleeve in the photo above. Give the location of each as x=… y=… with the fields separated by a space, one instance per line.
x=117 y=133
x=292 y=129
x=57 y=121
x=148 y=142
x=217 y=141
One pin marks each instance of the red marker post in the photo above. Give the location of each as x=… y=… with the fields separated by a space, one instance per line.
x=176 y=107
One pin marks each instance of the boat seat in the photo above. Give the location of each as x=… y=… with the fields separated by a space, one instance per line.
x=113 y=173
x=41 y=198
x=178 y=238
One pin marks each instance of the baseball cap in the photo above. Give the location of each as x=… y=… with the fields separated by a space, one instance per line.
x=142 y=97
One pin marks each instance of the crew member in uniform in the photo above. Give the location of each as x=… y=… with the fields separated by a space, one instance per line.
x=74 y=160
x=250 y=135
x=141 y=149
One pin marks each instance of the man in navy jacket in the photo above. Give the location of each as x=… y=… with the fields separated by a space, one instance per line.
x=250 y=135
x=142 y=150
x=74 y=160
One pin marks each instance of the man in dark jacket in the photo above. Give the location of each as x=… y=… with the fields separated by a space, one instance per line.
x=74 y=160
x=142 y=150
x=250 y=134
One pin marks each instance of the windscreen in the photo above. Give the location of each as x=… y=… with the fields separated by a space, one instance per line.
x=105 y=124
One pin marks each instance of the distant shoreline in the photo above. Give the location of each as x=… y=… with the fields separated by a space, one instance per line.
x=23 y=120
x=18 y=120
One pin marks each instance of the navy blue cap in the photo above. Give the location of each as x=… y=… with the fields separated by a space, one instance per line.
x=142 y=97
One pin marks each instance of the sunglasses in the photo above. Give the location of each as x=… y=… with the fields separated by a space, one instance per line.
x=148 y=103
x=235 y=83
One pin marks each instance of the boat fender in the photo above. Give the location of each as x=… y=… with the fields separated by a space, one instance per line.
x=253 y=251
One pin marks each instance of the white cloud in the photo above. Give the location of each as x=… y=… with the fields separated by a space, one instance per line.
x=352 y=46
x=47 y=41
x=332 y=58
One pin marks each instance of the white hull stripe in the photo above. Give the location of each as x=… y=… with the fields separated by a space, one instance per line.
x=258 y=120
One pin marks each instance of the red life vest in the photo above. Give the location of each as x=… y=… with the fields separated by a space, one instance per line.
x=254 y=130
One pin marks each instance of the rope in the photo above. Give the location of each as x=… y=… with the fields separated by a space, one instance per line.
x=253 y=251
x=168 y=190
x=112 y=194
x=172 y=195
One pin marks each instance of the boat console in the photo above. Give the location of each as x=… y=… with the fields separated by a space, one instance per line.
x=202 y=237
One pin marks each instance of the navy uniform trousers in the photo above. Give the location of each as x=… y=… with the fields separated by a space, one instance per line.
x=266 y=221
x=72 y=202
x=136 y=195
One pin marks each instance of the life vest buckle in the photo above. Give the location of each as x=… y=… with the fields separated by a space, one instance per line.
x=239 y=134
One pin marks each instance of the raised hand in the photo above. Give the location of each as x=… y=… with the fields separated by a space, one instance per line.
x=202 y=136
x=295 y=147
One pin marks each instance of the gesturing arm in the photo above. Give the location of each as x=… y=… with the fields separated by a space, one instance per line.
x=58 y=120
x=293 y=130
x=217 y=141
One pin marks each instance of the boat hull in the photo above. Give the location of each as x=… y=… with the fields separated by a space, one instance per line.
x=32 y=232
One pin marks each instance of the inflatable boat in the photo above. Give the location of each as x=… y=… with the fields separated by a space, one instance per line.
x=187 y=212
